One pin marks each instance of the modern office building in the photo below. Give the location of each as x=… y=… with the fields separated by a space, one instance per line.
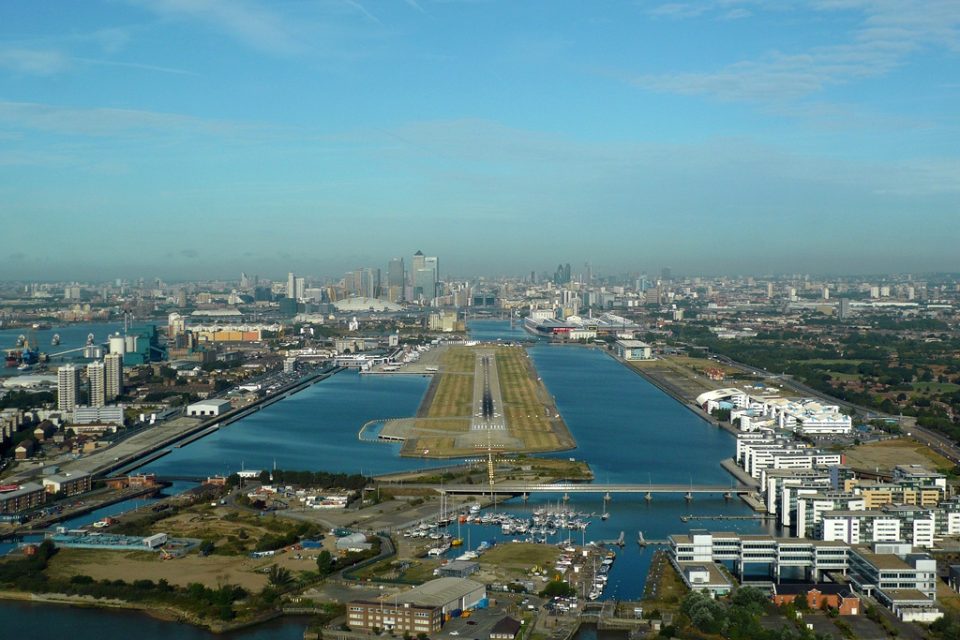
x=424 y=276
x=395 y=280
x=68 y=387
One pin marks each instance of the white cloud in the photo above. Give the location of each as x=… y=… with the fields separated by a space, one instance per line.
x=46 y=62
x=103 y=121
x=253 y=25
x=889 y=33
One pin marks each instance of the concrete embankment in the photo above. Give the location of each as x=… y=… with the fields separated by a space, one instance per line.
x=140 y=455
x=674 y=392
x=739 y=473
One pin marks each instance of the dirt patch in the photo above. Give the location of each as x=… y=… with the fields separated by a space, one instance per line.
x=116 y=565
x=887 y=454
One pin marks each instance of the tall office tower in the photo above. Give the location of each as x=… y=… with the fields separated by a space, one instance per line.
x=95 y=376
x=423 y=284
x=366 y=283
x=113 y=375
x=666 y=274
x=291 y=285
x=68 y=383
x=433 y=262
x=244 y=280
x=299 y=286
x=418 y=262
x=395 y=279
x=424 y=272
x=769 y=291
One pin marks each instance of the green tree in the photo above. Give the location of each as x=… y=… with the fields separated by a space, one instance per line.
x=279 y=576
x=558 y=588
x=324 y=563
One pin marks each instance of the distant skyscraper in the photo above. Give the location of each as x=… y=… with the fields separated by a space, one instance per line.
x=68 y=383
x=291 y=285
x=419 y=261
x=299 y=286
x=395 y=279
x=425 y=274
x=666 y=275
x=844 y=308
x=113 y=374
x=96 y=378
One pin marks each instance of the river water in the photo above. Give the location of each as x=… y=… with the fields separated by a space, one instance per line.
x=72 y=337
x=627 y=429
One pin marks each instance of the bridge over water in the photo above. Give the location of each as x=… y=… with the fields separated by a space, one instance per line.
x=519 y=488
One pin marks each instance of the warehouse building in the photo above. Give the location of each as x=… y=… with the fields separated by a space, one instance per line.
x=419 y=610
x=206 y=408
x=448 y=594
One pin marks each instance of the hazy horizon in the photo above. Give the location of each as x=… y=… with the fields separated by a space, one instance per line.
x=201 y=138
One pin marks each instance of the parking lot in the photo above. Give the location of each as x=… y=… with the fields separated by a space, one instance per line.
x=477 y=626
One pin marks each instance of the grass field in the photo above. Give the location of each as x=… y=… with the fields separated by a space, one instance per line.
x=444 y=426
x=521 y=556
x=887 y=454
x=935 y=387
x=454 y=397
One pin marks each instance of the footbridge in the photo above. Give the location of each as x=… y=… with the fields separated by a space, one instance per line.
x=520 y=488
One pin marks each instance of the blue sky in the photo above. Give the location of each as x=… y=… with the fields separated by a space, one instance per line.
x=183 y=138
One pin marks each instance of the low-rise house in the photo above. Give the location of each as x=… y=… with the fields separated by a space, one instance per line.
x=819 y=596
x=505 y=629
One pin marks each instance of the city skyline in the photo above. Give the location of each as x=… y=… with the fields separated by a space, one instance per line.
x=720 y=137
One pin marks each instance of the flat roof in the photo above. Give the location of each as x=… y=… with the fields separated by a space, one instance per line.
x=883 y=561
x=440 y=591
x=212 y=402
x=25 y=488
x=906 y=594
x=717 y=578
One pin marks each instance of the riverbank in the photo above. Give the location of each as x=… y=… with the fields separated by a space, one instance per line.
x=664 y=384
x=728 y=465
x=158 y=612
x=152 y=443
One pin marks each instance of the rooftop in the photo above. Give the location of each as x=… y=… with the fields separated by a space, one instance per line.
x=440 y=591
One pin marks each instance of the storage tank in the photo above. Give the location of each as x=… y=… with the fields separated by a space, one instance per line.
x=118 y=344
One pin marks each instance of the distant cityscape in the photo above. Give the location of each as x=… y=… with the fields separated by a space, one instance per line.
x=840 y=395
